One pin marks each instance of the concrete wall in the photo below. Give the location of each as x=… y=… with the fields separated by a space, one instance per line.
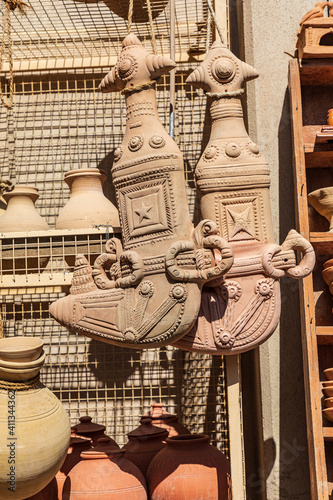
x=270 y=29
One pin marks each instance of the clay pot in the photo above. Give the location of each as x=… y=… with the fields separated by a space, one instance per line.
x=328 y=402
x=50 y=492
x=3 y=206
x=329 y=374
x=91 y=430
x=104 y=474
x=328 y=392
x=28 y=349
x=322 y=201
x=189 y=468
x=140 y=12
x=87 y=206
x=38 y=435
x=77 y=445
x=144 y=443
x=328 y=413
x=330 y=117
x=165 y=420
x=21 y=214
x=327 y=383
x=328 y=274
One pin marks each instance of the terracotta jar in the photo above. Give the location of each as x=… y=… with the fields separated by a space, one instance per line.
x=21 y=214
x=189 y=468
x=89 y=429
x=33 y=424
x=104 y=474
x=77 y=445
x=166 y=420
x=144 y=443
x=87 y=206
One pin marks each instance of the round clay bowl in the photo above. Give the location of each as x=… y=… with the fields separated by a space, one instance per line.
x=328 y=275
x=328 y=402
x=21 y=371
x=327 y=383
x=329 y=373
x=328 y=391
x=20 y=349
x=328 y=413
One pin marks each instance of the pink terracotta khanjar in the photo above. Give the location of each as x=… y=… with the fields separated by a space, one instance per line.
x=189 y=468
x=104 y=474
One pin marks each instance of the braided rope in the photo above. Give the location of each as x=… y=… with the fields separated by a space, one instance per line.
x=130 y=16
x=129 y=90
x=19 y=386
x=220 y=95
x=153 y=38
x=210 y=6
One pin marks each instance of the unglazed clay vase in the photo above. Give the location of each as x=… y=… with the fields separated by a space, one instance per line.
x=77 y=445
x=165 y=420
x=104 y=474
x=34 y=428
x=322 y=201
x=87 y=206
x=147 y=292
x=144 y=443
x=91 y=430
x=233 y=179
x=21 y=214
x=189 y=468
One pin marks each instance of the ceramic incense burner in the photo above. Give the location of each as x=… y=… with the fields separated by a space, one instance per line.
x=233 y=182
x=146 y=292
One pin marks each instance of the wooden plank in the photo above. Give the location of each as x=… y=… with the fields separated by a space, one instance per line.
x=316 y=72
x=318 y=471
x=328 y=433
x=322 y=242
x=324 y=335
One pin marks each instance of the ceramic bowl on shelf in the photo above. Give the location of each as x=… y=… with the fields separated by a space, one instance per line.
x=328 y=402
x=328 y=413
x=327 y=383
x=328 y=391
x=21 y=348
x=329 y=374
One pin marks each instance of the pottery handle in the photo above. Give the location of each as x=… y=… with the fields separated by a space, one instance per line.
x=295 y=241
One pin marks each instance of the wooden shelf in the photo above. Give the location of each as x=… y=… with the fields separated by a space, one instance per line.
x=317 y=72
x=324 y=334
x=319 y=157
x=328 y=433
x=322 y=242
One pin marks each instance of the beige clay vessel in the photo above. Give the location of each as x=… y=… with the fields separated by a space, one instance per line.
x=87 y=206
x=322 y=202
x=29 y=349
x=34 y=427
x=328 y=413
x=21 y=214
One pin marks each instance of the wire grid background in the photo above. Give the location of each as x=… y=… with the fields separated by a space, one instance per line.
x=60 y=122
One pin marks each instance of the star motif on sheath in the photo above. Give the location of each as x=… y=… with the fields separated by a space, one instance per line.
x=241 y=221
x=142 y=212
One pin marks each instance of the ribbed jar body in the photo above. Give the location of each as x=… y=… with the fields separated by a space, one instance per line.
x=189 y=468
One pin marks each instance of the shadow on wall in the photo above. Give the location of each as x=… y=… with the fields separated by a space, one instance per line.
x=293 y=439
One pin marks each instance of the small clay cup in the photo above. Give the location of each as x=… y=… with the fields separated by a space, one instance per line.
x=21 y=349
x=329 y=374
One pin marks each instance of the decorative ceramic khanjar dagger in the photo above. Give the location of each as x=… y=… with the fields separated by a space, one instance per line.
x=233 y=183
x=147 y=293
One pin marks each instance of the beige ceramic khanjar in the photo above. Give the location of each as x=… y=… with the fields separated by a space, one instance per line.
x=233 y=181
x=104 y=474
x=189 y=468
x=87 y=206
x=165 y=420
x=144 y=443
x=147 y=292
x=34 y=427
x=21 y=214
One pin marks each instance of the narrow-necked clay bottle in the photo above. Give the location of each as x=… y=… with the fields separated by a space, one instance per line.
x=91 y=430
x=189 y=468
x=162 y=418
x=33 y=423
x=144 y=443
x=21 y=214
x=87 y=206
x=77 y=445
x=104 y=474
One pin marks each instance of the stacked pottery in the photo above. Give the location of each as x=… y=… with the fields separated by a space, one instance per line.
x=328 y=274
x=87 y=206
x=189 y=468
x=144 y=443
x=165 y=420
x=328 y=392
x=91 y=430
x=34 y=427
x=322 y=201
x=104 y=474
